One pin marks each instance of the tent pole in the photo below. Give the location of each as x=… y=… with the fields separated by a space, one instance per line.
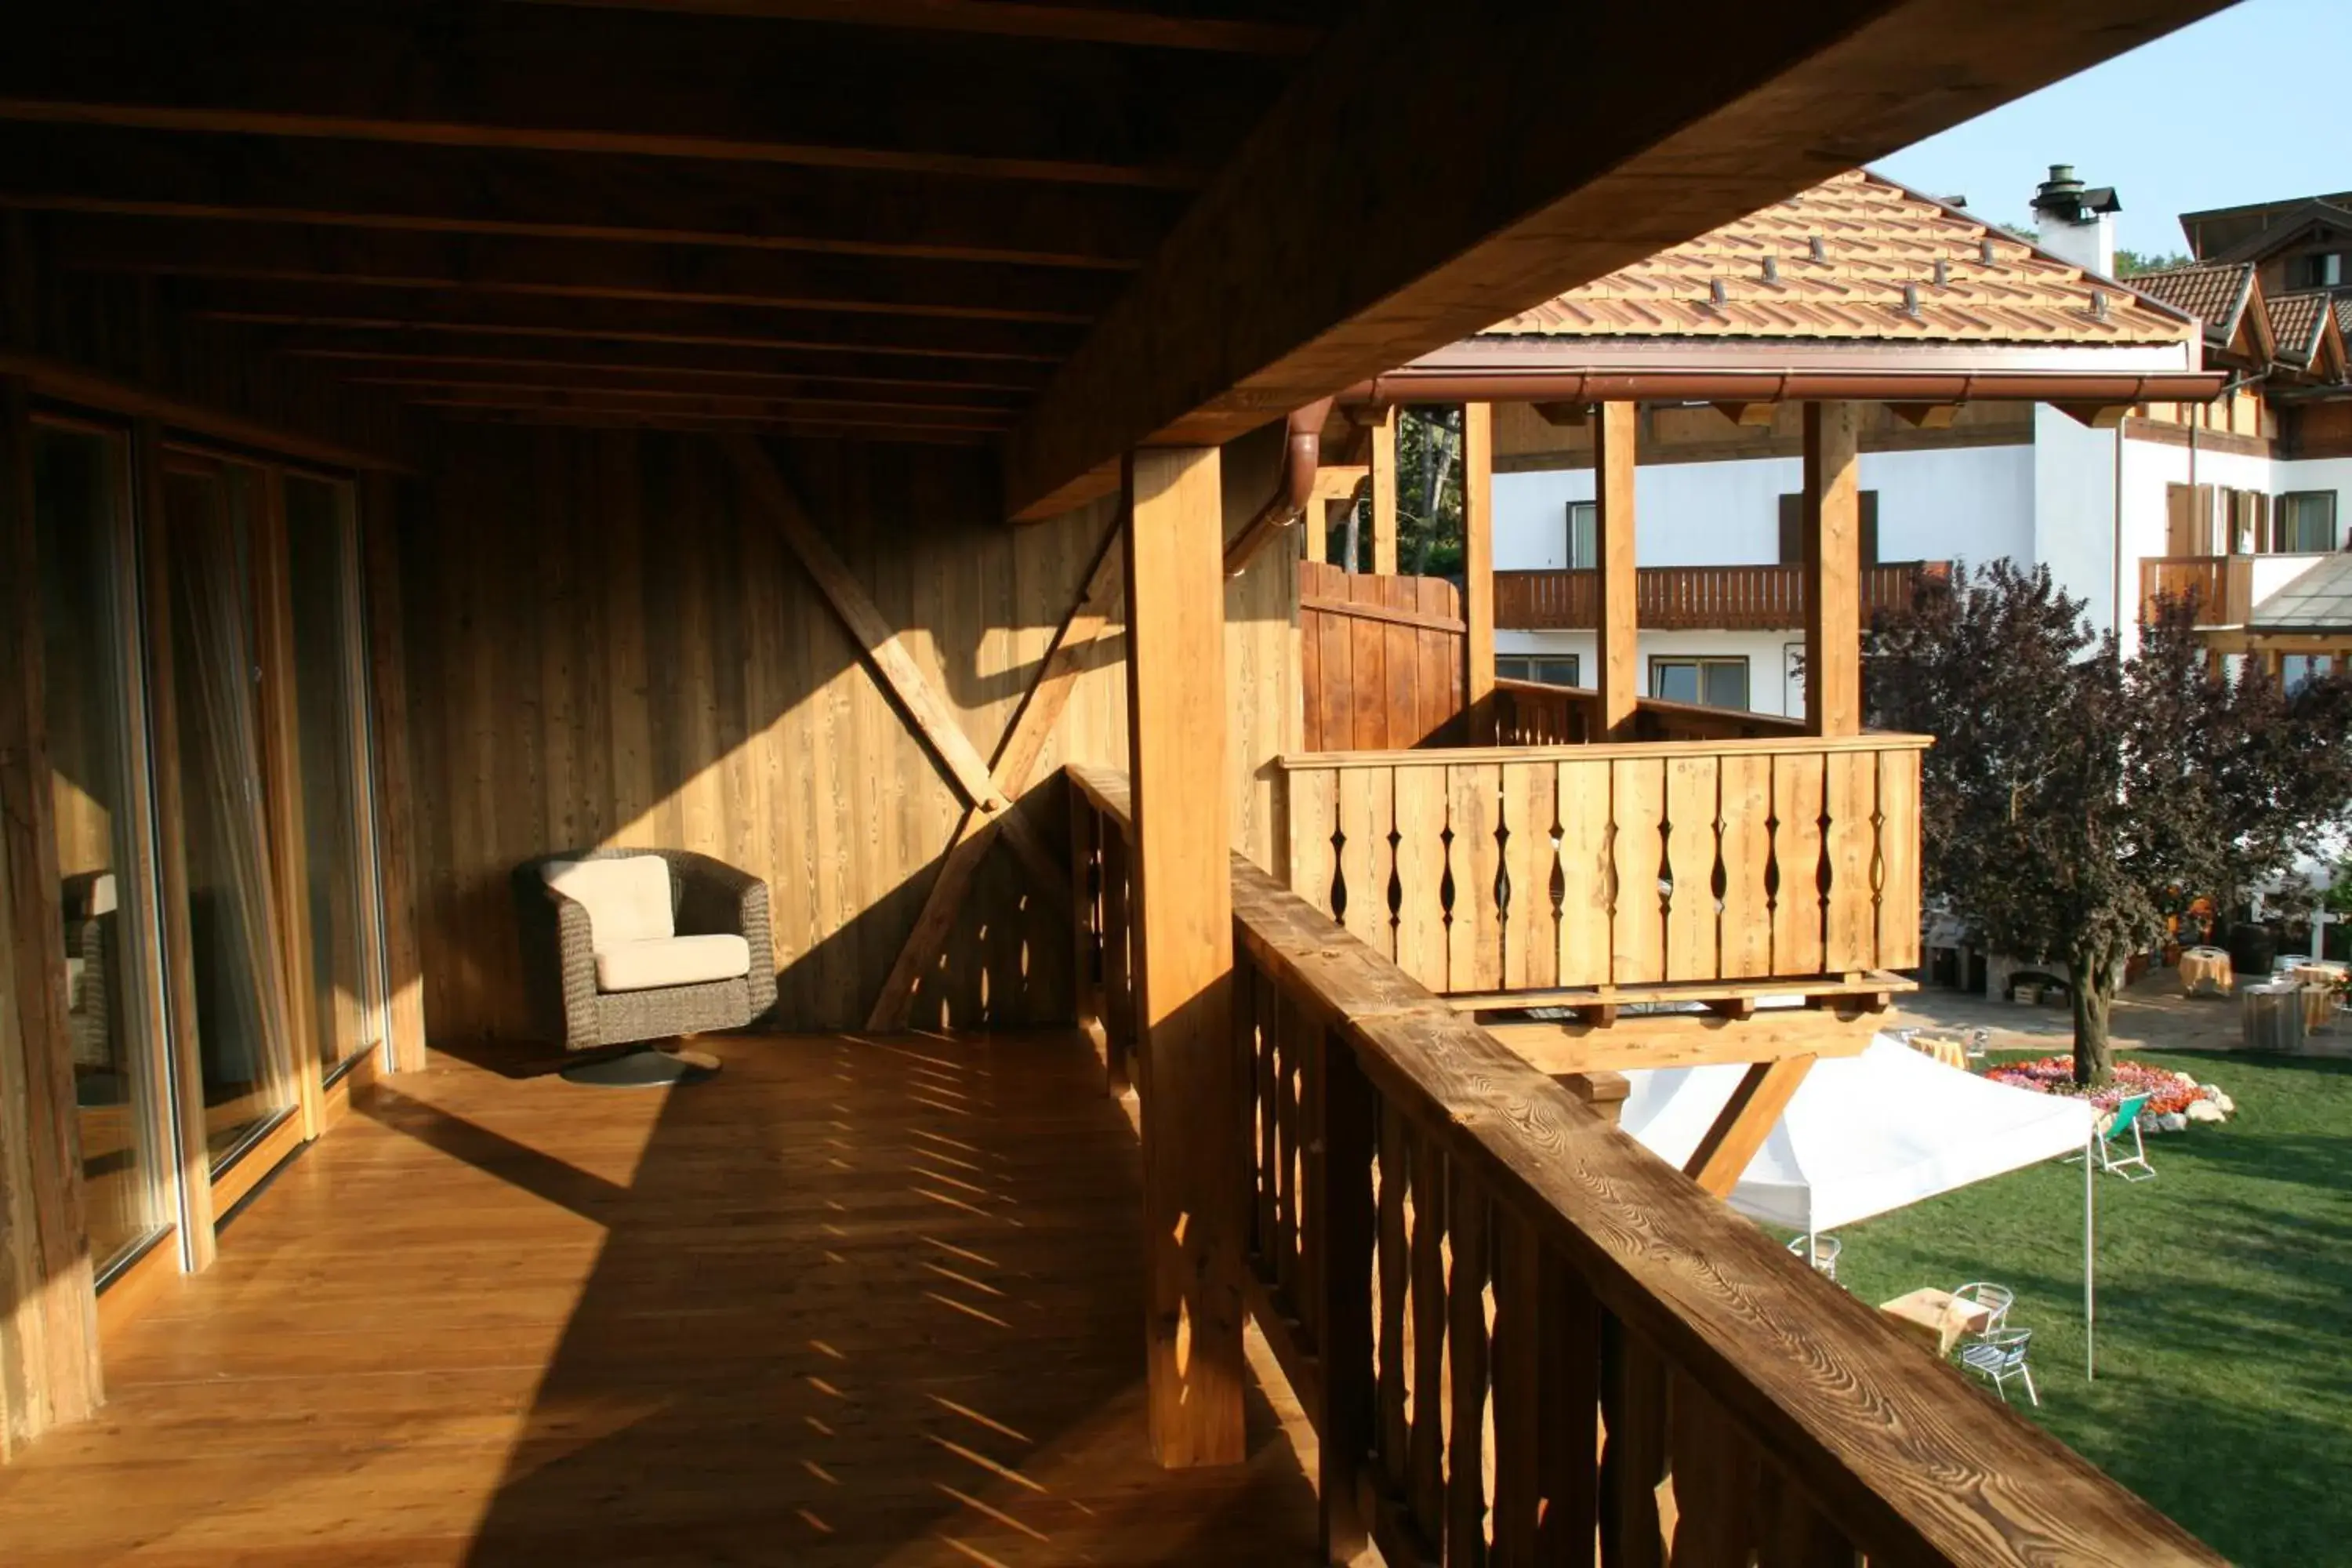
x=2090 y=1350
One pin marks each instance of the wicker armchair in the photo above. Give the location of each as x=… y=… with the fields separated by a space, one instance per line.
x=707 y=896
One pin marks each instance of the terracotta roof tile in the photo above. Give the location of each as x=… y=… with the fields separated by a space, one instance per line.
x=1873 y=239
x=2295 y=323
x=2215 y=292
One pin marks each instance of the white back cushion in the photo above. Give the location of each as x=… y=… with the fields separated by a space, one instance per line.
x=627 y=898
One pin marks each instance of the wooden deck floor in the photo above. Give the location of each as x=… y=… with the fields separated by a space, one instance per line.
x=857 y=1301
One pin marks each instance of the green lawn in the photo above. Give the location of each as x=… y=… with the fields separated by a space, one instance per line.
x=2224 y=1391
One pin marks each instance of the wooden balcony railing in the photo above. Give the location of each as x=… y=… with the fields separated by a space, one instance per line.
x=1541 y=868
x=1689 y=599
x=2222 y=585
x=1528 y=713
x=1656 y=1377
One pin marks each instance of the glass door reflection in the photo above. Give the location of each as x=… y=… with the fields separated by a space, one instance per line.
x=88 y=597
x=331 y=769
x=242 y=1034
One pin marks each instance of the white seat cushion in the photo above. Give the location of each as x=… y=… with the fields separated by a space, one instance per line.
x=671 y=961
x=627 y=898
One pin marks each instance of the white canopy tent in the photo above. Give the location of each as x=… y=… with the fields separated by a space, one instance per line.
x=1868 y=1134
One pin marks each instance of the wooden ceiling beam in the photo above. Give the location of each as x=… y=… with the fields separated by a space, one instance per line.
x=672 y=85
x=879 y=413
x=396 y=350
x=401 y=377
x=373 y=307
x=1224 y=29
x=565 y=196
x=713 y=424
x=592 y=269
x=1593 y=147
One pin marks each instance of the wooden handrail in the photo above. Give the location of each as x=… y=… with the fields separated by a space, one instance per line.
x=1685 y=598
x=1405 y=1161
x=1529 y=713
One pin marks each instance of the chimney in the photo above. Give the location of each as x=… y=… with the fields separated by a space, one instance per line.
x=2077 y=222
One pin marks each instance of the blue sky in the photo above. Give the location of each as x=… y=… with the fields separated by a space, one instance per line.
x=2245 y=106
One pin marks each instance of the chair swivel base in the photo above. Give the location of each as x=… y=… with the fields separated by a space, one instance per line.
x=652 y=1067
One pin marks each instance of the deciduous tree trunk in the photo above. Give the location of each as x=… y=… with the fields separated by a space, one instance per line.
x=2091 y=986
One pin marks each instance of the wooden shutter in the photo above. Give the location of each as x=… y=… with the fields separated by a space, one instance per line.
x=1869 y=528
x=2179 y=522
x=1792 y=521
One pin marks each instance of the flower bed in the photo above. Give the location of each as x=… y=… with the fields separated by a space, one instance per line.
x=2170 y=1095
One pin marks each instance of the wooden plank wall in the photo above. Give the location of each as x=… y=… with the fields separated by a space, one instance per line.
x=605 y=646
x=123 y=329
x=1381 y=659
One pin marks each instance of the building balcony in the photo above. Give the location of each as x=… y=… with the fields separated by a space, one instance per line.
x=2225 y=588
x=1690 y=598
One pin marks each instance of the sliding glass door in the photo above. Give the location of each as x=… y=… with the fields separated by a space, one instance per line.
x=242 y=1036
x=88 y=597
x=329 y=768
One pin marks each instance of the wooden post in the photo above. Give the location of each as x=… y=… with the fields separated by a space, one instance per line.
x=1479 y=567
x=1618 y=651
x=395 y=814
x=48 y=1319
x=1831 y=529
x=1747 y=1118
x=1194 y=1197
x=1384 y=491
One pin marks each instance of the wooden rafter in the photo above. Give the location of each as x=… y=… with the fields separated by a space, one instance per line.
x=678 y=85
x=557 y=195
x=583 y=268
x=364 y=306
x=1631 y=158
x=1015 y=765
x=1226 y=29
x=930 y=715
x=1745 y=1121
x=361 y=350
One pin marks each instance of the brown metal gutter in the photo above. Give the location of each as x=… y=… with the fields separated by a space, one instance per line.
x=1783 y=387
x=1292 y=488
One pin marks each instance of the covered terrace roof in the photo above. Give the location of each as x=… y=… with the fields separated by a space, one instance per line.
x=1857 y=287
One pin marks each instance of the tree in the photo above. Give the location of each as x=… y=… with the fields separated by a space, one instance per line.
x=2072 y=792
x=1429 y=498
x=2129 y=263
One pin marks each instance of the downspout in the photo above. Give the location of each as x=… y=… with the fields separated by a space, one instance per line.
x=2118 y=556
x=1293 y=487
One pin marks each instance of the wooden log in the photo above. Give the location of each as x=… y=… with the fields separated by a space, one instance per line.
x=1192 y=1159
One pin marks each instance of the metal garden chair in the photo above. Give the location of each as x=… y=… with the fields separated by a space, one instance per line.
x=1995 y=1301
x=2000 y=1356
x=1825 y=1254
